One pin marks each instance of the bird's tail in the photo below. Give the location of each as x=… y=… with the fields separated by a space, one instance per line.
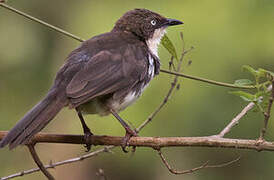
x=35 y=120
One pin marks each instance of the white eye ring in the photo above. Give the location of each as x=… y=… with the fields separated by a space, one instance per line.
x=153 y=22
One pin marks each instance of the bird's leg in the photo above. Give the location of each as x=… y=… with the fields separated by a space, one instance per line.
x=87 y=132
x=129 y=131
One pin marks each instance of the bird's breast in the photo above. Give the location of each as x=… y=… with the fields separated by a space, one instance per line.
x=119 y=105
x=137 y=90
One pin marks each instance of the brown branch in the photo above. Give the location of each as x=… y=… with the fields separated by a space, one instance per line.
x=226 y=130
x=203 y=166
x=53 y=165
x=39 y=162
x=267 y=113
x=154 y=142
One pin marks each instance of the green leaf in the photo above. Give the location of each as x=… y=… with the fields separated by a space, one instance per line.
x=266 y=72
x=255 y=110
x=261 y=93
x=244 y=95
x=169 y=46
x=250 y=69
x=243 y=82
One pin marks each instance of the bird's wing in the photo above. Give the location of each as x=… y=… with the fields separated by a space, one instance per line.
x=107 y=72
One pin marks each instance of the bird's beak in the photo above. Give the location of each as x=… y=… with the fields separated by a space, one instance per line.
x=173 y=22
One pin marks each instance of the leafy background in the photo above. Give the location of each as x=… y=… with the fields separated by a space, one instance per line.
x=226 y=35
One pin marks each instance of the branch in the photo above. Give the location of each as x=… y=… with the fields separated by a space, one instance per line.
x=203 y=166
x=206 y=80
x=81 y=40
x=154 y=142
x=235 y=120
x=39 y=162
x=53 y=165
x=41 y=22
x=166 y=98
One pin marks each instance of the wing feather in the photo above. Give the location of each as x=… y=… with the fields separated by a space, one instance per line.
x=105 y=73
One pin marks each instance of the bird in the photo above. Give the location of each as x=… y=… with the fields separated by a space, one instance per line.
x=103 y=76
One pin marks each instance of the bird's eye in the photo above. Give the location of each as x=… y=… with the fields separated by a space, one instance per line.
x=153 y=22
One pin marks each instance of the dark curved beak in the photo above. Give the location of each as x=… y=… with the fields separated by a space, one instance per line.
x=173 y=22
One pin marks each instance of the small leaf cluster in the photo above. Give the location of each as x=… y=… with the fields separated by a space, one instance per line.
x=262 y=80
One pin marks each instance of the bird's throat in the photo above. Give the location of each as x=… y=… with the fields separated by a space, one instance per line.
x=155 y=40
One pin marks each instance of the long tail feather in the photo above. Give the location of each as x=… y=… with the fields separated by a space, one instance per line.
x=34 y=121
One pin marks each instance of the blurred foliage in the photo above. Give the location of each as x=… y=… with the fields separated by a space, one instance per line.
x=226 y=35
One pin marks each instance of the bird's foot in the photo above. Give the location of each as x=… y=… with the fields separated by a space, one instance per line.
x=125 y=141
x=87 y=135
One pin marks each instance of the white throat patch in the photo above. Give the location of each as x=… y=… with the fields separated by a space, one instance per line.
x=153 y=42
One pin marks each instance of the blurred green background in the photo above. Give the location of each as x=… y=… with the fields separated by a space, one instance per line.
x=226 y=35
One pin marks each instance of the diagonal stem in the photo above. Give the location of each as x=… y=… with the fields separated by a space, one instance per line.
x=41 y=22
x=206 y=80
x=39 y=162
x=235 y=120
x=173 y=85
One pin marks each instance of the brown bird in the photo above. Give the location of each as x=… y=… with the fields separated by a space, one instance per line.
x=104 y=75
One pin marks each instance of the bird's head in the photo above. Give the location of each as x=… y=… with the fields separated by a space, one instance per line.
x=147 y=25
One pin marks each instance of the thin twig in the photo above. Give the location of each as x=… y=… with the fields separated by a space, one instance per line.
x=41 y=22
x=207 y=80
x=203 y=166
x=171 y=64
x=53 y=165
x=172 y=87
x=39 y=162
x=236 y=120
x=267 y=113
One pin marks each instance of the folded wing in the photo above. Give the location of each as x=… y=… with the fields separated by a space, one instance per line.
x=107 y=72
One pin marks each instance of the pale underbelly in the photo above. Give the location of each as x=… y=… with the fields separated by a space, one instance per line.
x=101 y=105
x=97 y=106
x=129 y=99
